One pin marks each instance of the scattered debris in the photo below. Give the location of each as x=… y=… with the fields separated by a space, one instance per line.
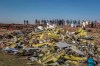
x=48 y=46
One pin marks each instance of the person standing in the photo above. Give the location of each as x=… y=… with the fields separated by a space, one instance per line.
x=83 y=24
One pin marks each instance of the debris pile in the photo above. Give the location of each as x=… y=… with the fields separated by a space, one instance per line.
x=47 y=46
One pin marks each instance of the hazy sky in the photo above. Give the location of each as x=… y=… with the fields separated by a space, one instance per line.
x=15 y=11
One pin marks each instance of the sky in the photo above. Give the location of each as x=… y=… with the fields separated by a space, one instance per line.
x=16 y=11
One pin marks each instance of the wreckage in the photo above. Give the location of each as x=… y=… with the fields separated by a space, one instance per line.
x=48 y=46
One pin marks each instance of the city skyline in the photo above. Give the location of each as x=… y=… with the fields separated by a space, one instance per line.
x=16 y=11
